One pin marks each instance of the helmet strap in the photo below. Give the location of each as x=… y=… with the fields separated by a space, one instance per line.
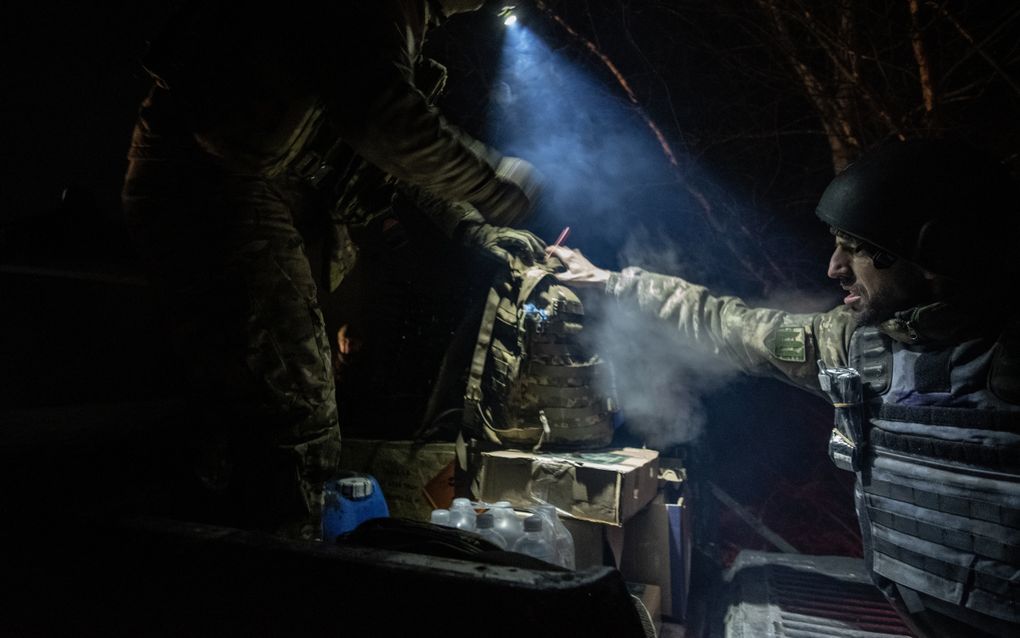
x=882 y=259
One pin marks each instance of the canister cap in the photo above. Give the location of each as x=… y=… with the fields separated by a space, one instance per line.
x=355 y=487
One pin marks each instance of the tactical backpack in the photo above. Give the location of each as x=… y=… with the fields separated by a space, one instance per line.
x=532 y=381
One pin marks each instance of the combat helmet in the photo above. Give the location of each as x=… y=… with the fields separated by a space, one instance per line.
x=533 y=381
x=940 y=204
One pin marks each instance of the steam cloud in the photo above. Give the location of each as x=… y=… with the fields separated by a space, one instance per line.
x=607 y=178
x=604 y=172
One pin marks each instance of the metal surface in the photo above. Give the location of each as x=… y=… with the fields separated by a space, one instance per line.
x=89 y=552
x=785 y=596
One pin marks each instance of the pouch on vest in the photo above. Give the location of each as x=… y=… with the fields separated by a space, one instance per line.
x=532 y=381
x=844 y=387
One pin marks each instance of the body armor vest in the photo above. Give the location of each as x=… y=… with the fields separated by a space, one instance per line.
x=532 y=381
x=935 y=444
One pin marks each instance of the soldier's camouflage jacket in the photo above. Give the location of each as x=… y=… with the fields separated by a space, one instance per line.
x=932 y=433
x=768 y=342
x=761 y=341
x=248 y=90
x=775 y=343
x=342 y=99
x=217 y=184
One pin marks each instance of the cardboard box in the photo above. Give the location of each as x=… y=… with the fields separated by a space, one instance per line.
x=415 y=478
x=606 y=486
x=657 y=543
x=656 y=549
x=591 y=547
x=652 y=547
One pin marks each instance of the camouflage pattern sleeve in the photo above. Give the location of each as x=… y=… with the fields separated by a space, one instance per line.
x=379 y=110
x=760 y=341
x=446 y=215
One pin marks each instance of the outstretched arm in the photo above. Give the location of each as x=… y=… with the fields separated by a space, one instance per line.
x=760 y=341
x=463 y=223
x=378 y=109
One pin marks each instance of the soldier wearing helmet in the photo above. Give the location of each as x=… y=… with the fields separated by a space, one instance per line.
x=930 y=339
x=258 y=116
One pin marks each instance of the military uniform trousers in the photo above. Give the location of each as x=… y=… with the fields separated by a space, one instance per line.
x=231 y=269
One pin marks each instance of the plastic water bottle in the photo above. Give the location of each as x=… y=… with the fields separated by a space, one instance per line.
x=486 y=530
x=533 y=542
x=462 y=514
x=562 y=539
x=440 y=516
x=348 y=501
x=548 y=530
x=506 y=522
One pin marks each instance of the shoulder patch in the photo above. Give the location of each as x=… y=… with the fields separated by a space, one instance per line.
x=788 y=343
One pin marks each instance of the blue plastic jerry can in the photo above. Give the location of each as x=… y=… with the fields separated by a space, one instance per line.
x=348 y=501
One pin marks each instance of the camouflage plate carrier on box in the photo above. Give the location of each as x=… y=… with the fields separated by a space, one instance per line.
x=532 y=381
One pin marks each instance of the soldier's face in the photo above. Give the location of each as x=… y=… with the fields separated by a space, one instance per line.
x=875 y=294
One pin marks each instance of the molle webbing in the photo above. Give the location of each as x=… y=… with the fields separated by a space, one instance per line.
x=950 y=578
x=871 y=356
x=941 y=480
x=993 y=420
x=953 y=548
x=995 y=458
x=944 y=516
x=949 y=503
x=532 y=382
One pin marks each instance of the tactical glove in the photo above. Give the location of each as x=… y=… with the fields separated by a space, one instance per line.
x=500 y=242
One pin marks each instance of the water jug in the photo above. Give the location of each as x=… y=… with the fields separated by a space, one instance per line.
x=349 y=500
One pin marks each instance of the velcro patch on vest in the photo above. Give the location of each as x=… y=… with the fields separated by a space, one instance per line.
x=788 y=343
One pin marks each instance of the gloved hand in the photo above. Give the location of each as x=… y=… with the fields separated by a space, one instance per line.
x=512 y=196
x=500 y=242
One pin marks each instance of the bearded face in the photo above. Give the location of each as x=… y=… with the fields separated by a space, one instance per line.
x=875 y=294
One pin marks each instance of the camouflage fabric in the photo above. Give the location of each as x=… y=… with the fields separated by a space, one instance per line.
x=360 y=192
x=761 y=341
x=232 y=272
x=343 y=256
x=369 y=194
x=364 y=194
x=253 y=88
x=532 y=382
x=920 y=434
x=343 y=250
x=239 y=98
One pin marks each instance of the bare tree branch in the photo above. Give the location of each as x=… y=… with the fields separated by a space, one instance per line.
x=923 y=64
x=708 y=211
x=979 y=49
x=842 y=142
